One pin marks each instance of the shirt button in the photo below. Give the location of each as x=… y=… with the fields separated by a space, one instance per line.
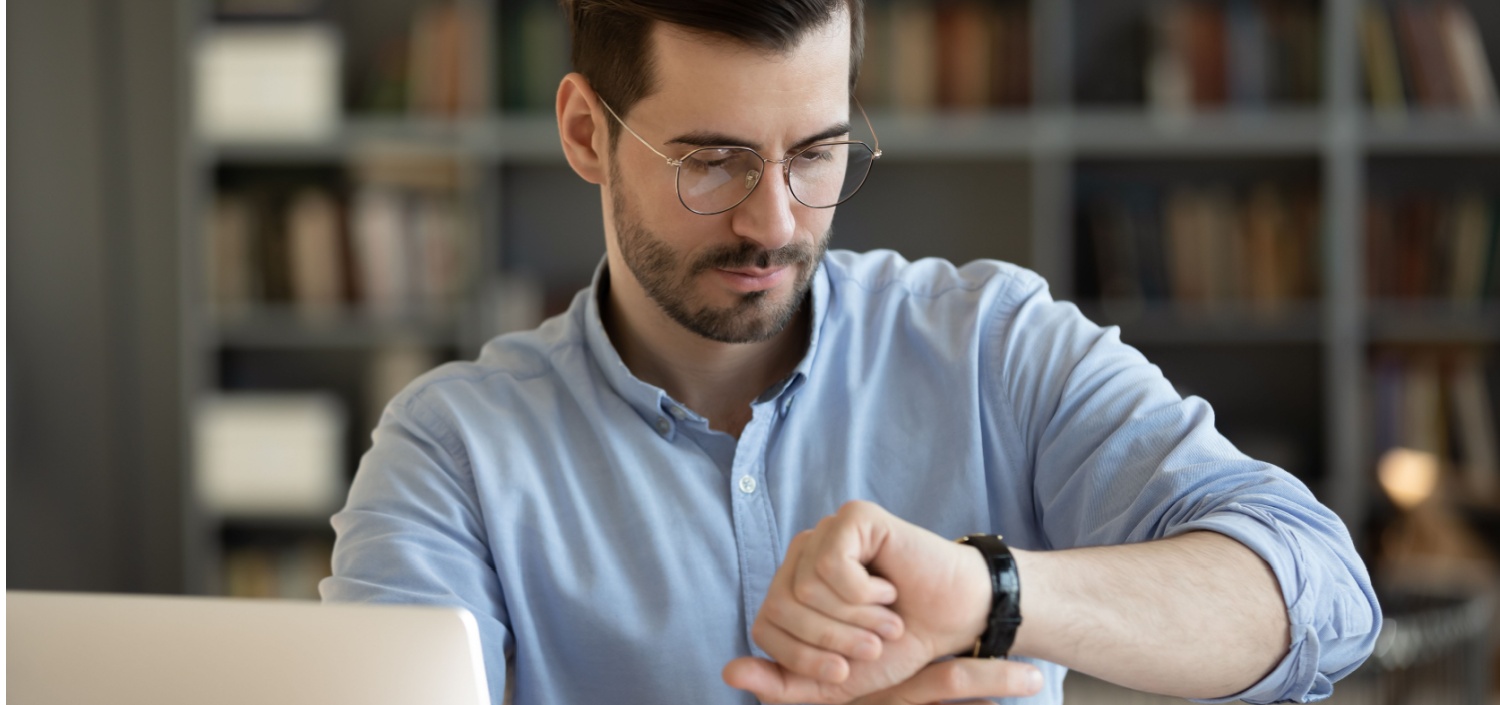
x=663 y=426
x=678 y=413
x=747 y=484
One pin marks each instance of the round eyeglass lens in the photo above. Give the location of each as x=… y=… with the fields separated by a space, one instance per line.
x=715 y=179
x=825 y=175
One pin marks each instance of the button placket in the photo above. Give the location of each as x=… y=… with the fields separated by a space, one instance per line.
x=754 y=518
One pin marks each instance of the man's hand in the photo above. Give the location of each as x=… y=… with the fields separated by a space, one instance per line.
x=861 y=605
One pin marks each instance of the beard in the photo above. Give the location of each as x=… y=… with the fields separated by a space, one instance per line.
x=670 y=280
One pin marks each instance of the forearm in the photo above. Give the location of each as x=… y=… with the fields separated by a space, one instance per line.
x=1198 y=615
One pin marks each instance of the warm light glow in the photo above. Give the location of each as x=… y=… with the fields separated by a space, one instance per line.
x=1408 y=476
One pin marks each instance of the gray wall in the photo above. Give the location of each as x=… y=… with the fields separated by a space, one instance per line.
x=93 y=466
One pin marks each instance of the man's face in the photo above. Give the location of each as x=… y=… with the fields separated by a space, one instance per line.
x=738 y=276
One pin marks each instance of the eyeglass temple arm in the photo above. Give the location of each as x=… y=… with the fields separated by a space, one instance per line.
x=870 y=125
x=670 y=161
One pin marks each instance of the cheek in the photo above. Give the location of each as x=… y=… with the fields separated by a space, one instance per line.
x=814 y=222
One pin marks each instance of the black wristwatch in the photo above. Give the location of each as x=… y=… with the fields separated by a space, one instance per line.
x=1005 y=607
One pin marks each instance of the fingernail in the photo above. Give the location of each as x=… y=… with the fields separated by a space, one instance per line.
x=888 y=630
x=1034 y=681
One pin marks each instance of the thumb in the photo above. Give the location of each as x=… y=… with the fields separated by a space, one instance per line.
x=961 y=678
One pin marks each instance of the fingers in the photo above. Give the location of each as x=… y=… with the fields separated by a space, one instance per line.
x=810 y=631
x=839 y=550
x=797 y=656
x=939 y=682
x=770 y=683
x=962 y=678
x=814 y=605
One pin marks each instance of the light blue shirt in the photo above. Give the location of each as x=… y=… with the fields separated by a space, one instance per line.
x=614 y=549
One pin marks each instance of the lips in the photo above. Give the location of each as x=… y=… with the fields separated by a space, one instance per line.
x=754 y=272
x=751 y=279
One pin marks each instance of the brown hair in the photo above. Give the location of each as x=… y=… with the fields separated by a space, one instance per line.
x=612 y=38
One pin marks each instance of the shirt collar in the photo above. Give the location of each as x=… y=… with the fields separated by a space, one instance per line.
x=652 y=403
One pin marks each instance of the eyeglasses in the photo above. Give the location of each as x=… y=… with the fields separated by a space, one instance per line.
x=711 y=180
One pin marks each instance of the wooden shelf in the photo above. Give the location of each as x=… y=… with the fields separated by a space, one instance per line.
x=1167 y=323
x=286 y=328
x=1427 y=133
x=1434 y=322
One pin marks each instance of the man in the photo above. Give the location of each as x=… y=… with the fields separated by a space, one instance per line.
x=647 y=499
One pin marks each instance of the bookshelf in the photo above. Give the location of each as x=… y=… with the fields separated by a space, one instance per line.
x=1006 y=172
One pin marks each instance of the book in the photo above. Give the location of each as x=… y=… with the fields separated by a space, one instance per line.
x=914 y=55
x=963 y=55
x=1266 y=224
x=1382 y=65
x=1115 y=245
x=1470 y=242
x=1422 y=47
x=1473 y=82
x=1380 y=249
x=1304 y=52
x=1475 y=428
x=447 y=75
x=1209 y=246
x=1248 y=54
x=269 y=454
x=1186 y=229
x=1206 y=54
x=873 y=86
x=1011 y=49
x=545 y=54
x=314 y=235
x=268 y=82
x=378 y=235
x=230 y=265
x=1169 y=77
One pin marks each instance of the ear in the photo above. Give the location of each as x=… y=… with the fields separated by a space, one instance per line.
x=581 y=122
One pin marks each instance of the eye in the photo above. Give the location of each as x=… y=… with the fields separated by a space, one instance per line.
x=818 y=153
x=709 y=158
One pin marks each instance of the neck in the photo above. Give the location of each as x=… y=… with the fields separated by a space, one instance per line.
x=717 y=380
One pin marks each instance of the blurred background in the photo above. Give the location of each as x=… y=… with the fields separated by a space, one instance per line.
x=237 y=227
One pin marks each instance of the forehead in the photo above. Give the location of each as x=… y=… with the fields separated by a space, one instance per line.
x=713 y=83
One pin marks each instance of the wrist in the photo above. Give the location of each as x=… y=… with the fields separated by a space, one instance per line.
x=1004 y=615
x=972 y=602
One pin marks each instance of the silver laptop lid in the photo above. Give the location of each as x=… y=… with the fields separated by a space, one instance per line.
x=129 y=649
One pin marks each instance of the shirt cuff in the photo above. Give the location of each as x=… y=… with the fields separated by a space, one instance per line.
x=1299 y=676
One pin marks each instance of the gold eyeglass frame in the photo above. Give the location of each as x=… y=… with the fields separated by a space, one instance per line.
x=786 y=164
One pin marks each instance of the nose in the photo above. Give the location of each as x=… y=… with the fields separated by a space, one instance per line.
x=768 y=215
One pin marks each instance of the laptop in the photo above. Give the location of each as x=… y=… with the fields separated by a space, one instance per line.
x=159 y=650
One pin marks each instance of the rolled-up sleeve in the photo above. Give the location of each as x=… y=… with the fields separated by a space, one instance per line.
x=1120 y=457
x=412 y=531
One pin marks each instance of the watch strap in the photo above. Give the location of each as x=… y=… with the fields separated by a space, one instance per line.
x=1005 y=605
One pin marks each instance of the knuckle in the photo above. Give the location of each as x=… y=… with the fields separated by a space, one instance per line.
x=954 y=679
x=828 y=640
x=852 y=507
x=828 y=564
x=806 y=661
x=805 y=591
x=772 y=611
x=759 y=631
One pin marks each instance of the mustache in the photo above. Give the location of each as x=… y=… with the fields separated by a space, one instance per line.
x=748 y=254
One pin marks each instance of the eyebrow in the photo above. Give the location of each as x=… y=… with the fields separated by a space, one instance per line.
x=719 y=139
